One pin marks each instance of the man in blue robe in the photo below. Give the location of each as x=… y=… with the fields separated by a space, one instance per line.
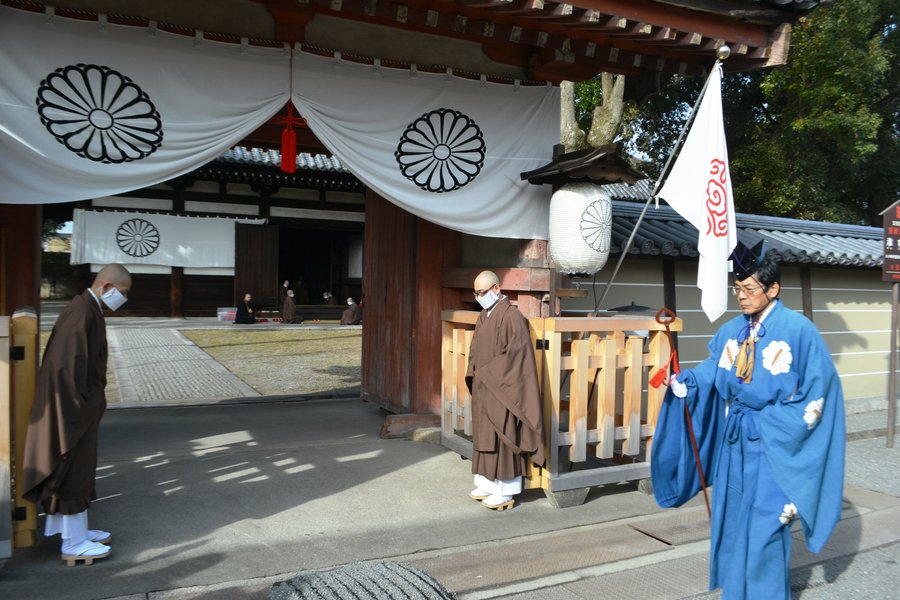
x=768 y=411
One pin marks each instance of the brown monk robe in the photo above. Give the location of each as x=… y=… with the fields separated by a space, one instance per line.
x=60 y=460
x=352 y=315
x=507 y=418
x=289 y=308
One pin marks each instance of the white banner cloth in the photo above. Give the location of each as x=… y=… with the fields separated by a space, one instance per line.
x=699 y=189
x=90 y=109
x=135 y=238
x=447 y=149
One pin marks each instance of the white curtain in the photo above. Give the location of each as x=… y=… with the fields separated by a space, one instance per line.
x=137 y=238
x=445 y=148
x=91 y=109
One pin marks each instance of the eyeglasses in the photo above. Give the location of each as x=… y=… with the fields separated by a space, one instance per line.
x=480 y=293
x=749 y=290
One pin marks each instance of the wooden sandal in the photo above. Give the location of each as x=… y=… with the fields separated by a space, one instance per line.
x=501 y=506
x=71 y=559
x=87 y=552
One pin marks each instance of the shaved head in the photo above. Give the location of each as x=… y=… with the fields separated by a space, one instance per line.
x=115 y=274
x=486 y=280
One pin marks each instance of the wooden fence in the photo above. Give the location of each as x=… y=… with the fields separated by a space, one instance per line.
x=599 y=407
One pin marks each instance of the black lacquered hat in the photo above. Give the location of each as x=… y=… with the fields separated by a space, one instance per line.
x=746 y=261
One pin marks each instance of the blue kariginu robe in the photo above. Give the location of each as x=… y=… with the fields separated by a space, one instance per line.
x=773 y=448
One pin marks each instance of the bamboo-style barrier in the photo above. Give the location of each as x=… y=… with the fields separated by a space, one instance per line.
x=599 y=409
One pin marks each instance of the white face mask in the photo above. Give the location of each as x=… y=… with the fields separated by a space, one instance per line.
x=349 y=302
x=489 y=299
x=113 y=299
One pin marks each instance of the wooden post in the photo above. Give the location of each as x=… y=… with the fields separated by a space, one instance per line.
x=578 y=400
x=532 y=254
x=806 y=292
x=631 y=409
x=606 y=402
x=5 y=446
x=176 y=296
x=20 y=256
x=892 y=368
x=24 y=381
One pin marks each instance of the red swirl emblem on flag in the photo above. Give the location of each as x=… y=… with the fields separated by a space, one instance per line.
x=717 y=199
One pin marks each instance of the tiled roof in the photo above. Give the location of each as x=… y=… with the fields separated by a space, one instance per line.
x=664 y=232
x=272 y=158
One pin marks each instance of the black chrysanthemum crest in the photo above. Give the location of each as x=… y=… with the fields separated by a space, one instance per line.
x=596 y=225
x=441 y=151
x=99 y=114
x=137 y=237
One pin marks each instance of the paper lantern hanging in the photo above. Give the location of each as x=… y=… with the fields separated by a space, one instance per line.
x=580 y=228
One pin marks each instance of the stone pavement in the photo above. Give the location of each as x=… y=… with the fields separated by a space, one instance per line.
x=219 y=502
x=160 y=365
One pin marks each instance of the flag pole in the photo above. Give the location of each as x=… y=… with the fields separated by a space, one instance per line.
x=722 y=52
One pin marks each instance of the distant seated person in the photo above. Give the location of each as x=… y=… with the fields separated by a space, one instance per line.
x=245 y=314
x=352 y=315
x=289 y=308
x=328 y=298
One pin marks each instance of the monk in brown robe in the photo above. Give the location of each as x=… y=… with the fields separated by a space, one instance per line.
x=289 y=308
x=60 y=460
x=507 y=419
x=352 y=315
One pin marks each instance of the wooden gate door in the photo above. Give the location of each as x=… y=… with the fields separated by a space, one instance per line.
x=256 y=263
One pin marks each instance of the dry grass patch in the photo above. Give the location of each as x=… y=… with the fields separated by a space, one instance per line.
x=287 y=362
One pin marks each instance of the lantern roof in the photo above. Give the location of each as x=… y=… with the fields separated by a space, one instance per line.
x=595 y=165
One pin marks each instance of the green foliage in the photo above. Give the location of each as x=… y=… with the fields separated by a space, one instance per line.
x=49 y=227
x=814 y=139
x=62 y=276
x=588 y=96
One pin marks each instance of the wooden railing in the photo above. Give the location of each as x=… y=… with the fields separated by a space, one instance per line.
x=599 y=407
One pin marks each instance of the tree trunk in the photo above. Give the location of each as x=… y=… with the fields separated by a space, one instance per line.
x=607 y=117
x=570 y=135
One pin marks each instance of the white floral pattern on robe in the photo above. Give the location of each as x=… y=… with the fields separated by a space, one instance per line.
x=729 y=355
x=813 y=412
x=777 y=357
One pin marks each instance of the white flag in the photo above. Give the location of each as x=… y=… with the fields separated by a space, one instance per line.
x=699 y=189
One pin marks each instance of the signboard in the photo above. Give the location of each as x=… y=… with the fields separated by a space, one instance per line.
x=890 y=270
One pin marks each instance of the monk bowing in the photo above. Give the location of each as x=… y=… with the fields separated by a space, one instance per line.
x=60 y=462
x=507 y=425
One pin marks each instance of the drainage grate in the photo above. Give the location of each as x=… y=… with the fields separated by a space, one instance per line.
x=362 y=581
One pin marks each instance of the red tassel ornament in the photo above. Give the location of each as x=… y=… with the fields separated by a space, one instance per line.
x=289 y=142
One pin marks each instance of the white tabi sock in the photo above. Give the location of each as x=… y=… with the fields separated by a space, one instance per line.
x=73 y=528
x=499 y=487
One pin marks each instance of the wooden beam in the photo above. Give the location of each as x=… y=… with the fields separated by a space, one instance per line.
x=291 y=19
x=708 y=24
x=511 y=279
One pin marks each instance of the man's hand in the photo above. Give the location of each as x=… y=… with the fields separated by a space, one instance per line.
x=678 y=388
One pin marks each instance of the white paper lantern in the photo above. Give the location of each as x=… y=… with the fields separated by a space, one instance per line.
x=580 y=228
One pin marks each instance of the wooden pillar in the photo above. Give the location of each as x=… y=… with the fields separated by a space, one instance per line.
x=437 y=248
x=806 y=292
x=176 y=277
x=533 y=253
x=176 y=295
x=389 y=284
x=669 y=296
x=20 y=257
